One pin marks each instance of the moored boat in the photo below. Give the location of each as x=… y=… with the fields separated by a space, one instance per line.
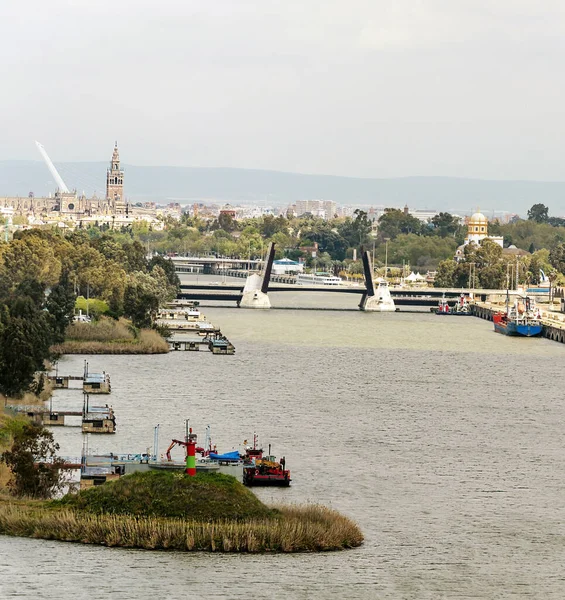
x=520 y=319
x=259 y=470
x=461 y=308
x=443 y=307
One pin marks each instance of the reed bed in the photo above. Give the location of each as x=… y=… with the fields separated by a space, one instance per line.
x=146 y=342
x=103 y=330
x=309 y=528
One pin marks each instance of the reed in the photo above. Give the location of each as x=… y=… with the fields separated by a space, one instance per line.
x=110 y=337
x=103 y=330
x=309 y=528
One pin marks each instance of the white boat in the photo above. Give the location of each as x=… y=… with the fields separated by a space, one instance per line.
x=318 y=279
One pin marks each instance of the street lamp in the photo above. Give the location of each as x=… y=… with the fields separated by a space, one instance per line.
x=387 y=240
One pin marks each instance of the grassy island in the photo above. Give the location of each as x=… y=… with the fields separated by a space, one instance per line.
x=107 y=336
x=164 y=510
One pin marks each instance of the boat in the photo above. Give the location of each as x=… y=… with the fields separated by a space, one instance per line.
x=226 y=457
x=259 y=470
x=460 y=308
x=443 y=307
x=317 y=279
x=519 y=319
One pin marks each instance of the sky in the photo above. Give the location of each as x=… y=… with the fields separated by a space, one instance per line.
x=363 y=88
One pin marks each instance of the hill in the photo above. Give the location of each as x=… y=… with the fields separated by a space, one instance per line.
x=189 y=184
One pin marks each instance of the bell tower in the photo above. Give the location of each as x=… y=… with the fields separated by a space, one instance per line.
x=115 y=184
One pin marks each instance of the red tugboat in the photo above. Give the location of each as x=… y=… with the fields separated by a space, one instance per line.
x=259 y=470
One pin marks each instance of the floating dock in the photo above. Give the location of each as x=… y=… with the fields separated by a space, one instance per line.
x=92 y=383
x=191 y=330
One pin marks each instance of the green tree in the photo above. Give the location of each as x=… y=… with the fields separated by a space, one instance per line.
x=395 y=221
x=227 y=222
x=538 y=213
x=37 y=471
x=169 y=269
x=60 y=305
x=356 y=231
x=445 y=224
x=557 y=257
x=25 y=338
x=445 y=275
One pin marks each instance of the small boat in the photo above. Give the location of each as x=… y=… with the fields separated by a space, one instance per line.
x=461 y=308
x=443 y=307
x=226 y=457
x=519 y=319
x=259 y=470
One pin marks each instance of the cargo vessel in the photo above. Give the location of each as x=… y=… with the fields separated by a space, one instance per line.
x=519 y=319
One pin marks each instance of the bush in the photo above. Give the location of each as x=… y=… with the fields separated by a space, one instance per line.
x=205 y=497
x=95 y=307
x=37 y=472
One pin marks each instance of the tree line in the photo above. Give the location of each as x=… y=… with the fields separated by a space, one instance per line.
x=42 y=272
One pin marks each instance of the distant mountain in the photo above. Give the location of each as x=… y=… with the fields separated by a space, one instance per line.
x=187 y=184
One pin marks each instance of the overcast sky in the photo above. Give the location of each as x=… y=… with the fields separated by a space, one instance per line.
x=373 y=88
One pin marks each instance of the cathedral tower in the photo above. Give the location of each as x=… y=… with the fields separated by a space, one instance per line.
x=115 y=184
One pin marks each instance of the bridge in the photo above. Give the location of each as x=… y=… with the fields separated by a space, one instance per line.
x=254 y=294
x=208 y=264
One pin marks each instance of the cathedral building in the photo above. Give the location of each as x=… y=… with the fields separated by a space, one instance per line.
x=72 y=206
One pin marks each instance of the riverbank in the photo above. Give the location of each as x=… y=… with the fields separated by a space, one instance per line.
x=107 y=336
x=158 y=511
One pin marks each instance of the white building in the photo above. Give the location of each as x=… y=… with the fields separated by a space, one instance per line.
x=325 y=209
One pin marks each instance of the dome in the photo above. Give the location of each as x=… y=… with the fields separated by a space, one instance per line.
x=478 y=218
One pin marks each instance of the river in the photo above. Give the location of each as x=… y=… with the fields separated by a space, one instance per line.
x=442 y=439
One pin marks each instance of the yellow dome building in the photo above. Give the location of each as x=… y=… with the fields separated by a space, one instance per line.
x=477 y=228
x=477 y=231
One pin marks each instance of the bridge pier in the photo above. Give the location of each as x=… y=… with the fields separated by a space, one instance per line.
x=255 y=292
x=378 y=300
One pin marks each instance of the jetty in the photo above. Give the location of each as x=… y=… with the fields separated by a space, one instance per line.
x=191 y=331
x=92 y=383
x=97 y=419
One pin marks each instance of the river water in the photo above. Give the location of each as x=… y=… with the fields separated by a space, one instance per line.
x=442 y=439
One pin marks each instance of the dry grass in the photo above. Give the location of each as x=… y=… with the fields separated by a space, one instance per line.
x=107 y=336
x=297 y=529
x=104 y=330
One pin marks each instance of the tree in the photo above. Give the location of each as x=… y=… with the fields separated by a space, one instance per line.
x=356 y=231
x=538 y=213
x=168 y=267
x=25 y=338
x=36 y=469
x=30 y=258
x=557 y=257
x=395 y=221
x=60 y=305
x=445 y=275
x=445 y=224
x=226 y=222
